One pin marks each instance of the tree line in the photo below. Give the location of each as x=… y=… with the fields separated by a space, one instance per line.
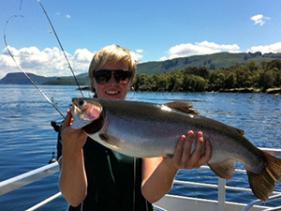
x=252 y=75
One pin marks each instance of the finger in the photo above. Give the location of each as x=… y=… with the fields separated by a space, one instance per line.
x=67 y=120
x=187 y=149
x=199 y=150
x=179 y=150
x=200 y=136
x=207 y=155
x=208 y=151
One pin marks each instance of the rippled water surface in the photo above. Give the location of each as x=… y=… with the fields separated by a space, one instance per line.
x=27 y=139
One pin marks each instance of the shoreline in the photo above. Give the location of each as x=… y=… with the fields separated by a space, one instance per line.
x=274 y=90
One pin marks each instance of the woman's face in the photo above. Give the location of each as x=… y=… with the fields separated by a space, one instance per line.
x=106 y=85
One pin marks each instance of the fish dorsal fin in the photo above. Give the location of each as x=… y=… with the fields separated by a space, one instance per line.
x=182 y=106
x=224 y=169
x=237 y=130
x=240 y=131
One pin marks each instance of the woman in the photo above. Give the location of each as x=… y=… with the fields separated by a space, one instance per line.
x=96 y=178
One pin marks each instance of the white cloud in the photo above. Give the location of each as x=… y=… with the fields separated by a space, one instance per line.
x=271 y=48
x=67 y=16
x=259 y=19
x=205 y=47
x=46 y=62
x=6 y=61
x=137 y=54
x=49 y=61
x=81 y=59
x=83 y=55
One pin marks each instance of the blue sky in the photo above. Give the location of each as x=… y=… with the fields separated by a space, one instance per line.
x=153 y=30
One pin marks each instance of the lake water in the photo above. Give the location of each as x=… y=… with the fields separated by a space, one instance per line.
x=27 y=140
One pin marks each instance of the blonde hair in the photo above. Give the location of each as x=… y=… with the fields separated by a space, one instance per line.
x=111 y=53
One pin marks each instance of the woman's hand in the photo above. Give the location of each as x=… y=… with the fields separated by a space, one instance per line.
x=186 y=156
x=72 y=139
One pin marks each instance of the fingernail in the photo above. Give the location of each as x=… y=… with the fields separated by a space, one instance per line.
x=182 y=138
x=190 y=133
x=200 y=134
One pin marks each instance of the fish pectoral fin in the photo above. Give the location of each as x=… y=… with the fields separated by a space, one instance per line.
x=224 y=169
x=263 y=184
x=182 y=106
x=109 y=140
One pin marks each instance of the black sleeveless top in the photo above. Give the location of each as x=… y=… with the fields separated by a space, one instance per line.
x=114 y=181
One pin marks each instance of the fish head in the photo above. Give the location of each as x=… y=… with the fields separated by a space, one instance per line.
x=84 y=112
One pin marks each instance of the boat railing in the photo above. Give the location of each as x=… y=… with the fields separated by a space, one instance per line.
x=258 y=201
x=21 y=180
x=29 y=177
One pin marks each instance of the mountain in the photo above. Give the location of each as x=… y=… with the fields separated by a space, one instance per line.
x=211 y=62
x=20 y=78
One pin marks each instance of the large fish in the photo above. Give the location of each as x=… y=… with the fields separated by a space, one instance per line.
x=147 y=130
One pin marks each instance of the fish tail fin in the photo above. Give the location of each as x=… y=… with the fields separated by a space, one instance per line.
x=263 y=184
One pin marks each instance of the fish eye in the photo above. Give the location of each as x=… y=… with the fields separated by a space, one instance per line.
x=81 y=102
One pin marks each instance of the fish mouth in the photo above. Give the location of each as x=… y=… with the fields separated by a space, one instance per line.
x=84 y=112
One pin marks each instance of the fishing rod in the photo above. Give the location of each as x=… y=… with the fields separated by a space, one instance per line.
x=61 y=47
x=22 y=70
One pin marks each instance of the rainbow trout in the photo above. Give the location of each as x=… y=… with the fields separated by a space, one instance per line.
x=149 y=130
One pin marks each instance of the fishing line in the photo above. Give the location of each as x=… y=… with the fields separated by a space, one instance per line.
x=61 y=47
x=22 y=70
x=20 y=6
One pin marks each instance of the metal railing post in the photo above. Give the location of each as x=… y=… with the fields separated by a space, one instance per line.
x=221 y=194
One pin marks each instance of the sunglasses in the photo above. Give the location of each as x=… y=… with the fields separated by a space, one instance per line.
x=103 y=76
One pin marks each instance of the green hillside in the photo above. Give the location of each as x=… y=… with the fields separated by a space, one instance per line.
x=211 y=62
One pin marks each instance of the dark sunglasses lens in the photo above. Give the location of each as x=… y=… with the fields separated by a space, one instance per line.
x=122 y=75
x=102 y=76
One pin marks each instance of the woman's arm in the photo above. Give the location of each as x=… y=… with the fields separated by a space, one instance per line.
x=159 y=173
x=157 y=178
x=73 y=180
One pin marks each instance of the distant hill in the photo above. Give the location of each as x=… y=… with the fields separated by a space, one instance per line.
x=20 y=78
x=211 y=62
